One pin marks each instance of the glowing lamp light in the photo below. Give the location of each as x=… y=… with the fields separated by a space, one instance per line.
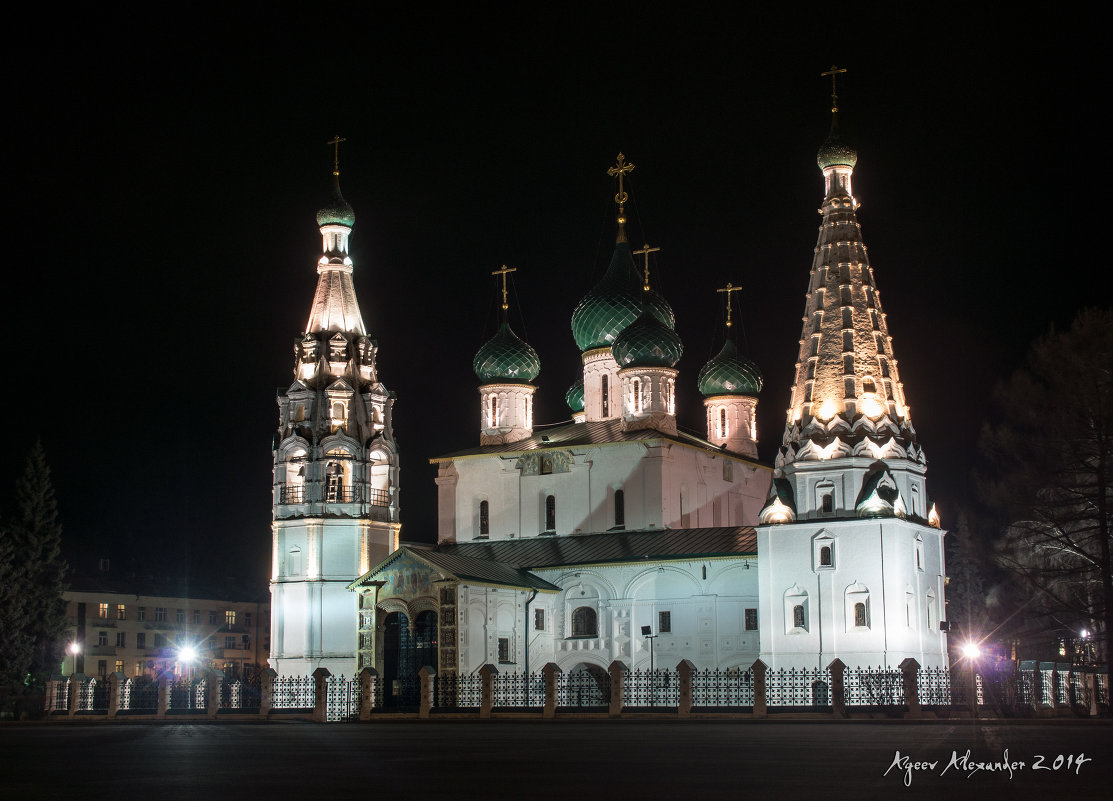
x=187 y=653
x=828 y=410
x=933 y=517
x=872 y=407
x=971 y=650
x=74 y=648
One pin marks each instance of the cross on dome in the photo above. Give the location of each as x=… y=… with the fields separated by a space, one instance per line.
x=620 y=170
x=504 y=272
x=335 y=142
x=645 y=251
x=833 y=72
x=728 y=289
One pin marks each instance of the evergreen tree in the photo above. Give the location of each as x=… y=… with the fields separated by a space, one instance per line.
x=15 y=643
x=36 y=537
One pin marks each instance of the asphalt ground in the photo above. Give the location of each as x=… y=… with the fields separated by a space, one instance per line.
x=502 y=759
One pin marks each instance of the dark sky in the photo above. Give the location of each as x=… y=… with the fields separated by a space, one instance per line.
x=163 y=178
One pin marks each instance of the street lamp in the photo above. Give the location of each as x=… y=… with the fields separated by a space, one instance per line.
x=74 y=648
x=187 y=655
x=653 y=682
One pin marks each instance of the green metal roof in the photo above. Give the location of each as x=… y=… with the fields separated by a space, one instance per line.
x=647 y=342
x=836 y=152
x=574 y=397
x=728 y=373
x=336 y=210
x=506 y=357
x=615 y=302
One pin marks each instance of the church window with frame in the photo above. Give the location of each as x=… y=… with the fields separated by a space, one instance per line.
x=484 y=519
x=539 y=619
x=492 y=411
x=823 y=552
x=664 y=622
x=504 y=650
x=585 y=622
x=918 y=551
x=799 y=617
x=751 y=619
x=550 y=514
x=860 y=615
x=606 y=396
x=619 y=509
x=723 y=430
x=825 y=558
x=636 y=385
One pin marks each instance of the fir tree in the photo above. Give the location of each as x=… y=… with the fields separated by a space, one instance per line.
x=36 y=537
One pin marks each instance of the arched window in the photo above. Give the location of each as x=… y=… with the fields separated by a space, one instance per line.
x=825 y=555
x=606 y=397
x=828 y=505
x=860 y=614
x=868 y=385
x=550 y=513
x=492 y=412
x=722 y=422
x=334 y=483
x=619 y=508
x=484 y=519
x=798 y=619
x=585 y=623
x=637 y=387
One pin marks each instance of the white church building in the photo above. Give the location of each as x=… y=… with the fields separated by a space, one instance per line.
x=570 y=543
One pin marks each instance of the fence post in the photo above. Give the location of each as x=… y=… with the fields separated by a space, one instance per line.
x=367 y=678
x=684 y=670
x=77 y=681
x=52 y=693
x=838 y=687
x=165 y=679
x=114 y=682
x=1091 y=680
x=972 y=688
x=320 y=694
x=549 y=672
x=618 y=673
x=910 y=668
x=759 y=668
x=213 y=681
x=487 y=673
x=266 y=691
x=425 y=681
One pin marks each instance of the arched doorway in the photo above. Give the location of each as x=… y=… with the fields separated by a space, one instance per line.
x=406 y=649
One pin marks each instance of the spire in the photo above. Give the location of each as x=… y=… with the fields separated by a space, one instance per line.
x=620 y=170
x=846 y=371
x=334 y=303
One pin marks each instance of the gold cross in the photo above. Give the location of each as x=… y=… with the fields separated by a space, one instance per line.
x=646 y=250
x=503 y=272
x=834 y=93
x=335 y=142
x=620 y=169
x=729 y=288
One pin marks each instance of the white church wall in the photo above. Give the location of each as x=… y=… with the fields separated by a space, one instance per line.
x=872 y=562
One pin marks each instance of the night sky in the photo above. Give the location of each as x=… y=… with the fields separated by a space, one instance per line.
x=162 y=183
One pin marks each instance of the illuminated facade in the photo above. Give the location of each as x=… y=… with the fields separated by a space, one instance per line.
x=857 y=554
x=336 y=498
x=559 y=544
x=587 y=542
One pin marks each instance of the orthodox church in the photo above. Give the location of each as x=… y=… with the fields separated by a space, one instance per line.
x=615 y=535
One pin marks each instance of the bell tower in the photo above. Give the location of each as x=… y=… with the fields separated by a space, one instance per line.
x=335 y=487
x=853 y=549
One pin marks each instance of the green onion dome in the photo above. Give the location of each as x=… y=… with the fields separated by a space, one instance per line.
x=506 y=358
x=615 y=302
x=574 y=397
x=336 y=210
x=729 y=373
x=647 y=342
x=836 y=152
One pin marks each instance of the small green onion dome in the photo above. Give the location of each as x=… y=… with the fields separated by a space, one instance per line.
x=506 y=358
x=836 y=153
x=574 y=397
x=615 y=302
x=647 y=342
x=729 y=373
x=336 y=211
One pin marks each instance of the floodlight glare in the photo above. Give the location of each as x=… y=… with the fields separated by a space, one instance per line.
x=971 y=650
x=187 y=653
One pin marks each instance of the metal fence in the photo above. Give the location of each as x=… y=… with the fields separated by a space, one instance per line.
x=651 y=689
x=343 y=698
x=722 y=689
x=294 y=692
